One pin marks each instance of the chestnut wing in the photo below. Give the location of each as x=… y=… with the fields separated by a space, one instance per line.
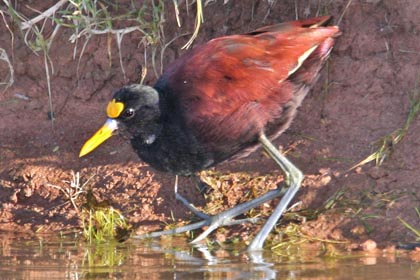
x=231 y=87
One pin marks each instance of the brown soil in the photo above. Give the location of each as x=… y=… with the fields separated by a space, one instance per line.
x=363 y=95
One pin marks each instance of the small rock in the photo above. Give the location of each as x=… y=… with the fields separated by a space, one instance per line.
x=369 y=245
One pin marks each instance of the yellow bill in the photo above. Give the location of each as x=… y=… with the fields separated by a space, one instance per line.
x=100 y=136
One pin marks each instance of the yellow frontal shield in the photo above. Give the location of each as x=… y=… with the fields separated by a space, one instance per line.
x=114 y=109
x=99 y=137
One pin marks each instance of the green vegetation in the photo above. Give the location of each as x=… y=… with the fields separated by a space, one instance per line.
x=100 y=222
x=103 y=224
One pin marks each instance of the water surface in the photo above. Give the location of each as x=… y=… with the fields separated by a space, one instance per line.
x=174 y=258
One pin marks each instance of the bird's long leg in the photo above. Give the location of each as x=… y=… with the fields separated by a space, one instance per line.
x=187 y=204
x=224 y=218
x=294 y=177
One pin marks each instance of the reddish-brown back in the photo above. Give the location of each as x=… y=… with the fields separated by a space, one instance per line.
x=232 y=87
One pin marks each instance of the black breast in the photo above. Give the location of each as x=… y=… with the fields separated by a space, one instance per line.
x=174 y=150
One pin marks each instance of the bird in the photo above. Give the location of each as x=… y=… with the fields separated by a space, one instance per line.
x=221 y=101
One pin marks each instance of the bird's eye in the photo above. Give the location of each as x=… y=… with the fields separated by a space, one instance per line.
x=129 y=113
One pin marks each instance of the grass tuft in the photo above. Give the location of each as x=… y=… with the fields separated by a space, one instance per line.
x=104 y=224
x=388 y=142
x=410 y=227
x=100 y=221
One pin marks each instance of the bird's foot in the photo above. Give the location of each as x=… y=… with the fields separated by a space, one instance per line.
x=213 y=222
x=225 y=218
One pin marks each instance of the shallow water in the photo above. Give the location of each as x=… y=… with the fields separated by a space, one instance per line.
x=174 y=258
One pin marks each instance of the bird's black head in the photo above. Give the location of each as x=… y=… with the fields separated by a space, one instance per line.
x=135 y=109
x=133 y=100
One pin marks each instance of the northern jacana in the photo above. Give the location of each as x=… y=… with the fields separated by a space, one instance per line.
x=220 y=101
